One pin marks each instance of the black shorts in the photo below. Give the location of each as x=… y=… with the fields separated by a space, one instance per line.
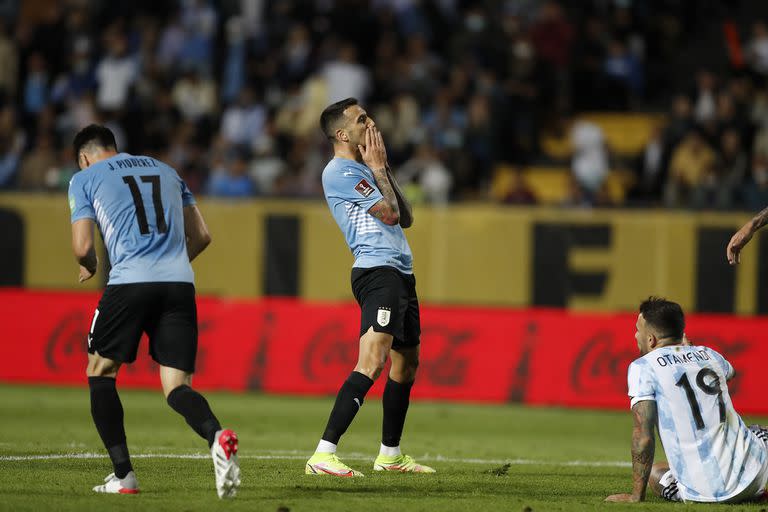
x=165 y=311
x=388 y=303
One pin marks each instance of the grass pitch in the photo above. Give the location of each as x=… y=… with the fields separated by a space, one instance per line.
x=488 y=457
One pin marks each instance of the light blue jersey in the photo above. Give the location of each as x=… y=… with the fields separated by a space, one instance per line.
x=351 y=190
x=137 y=202
x=711 y=452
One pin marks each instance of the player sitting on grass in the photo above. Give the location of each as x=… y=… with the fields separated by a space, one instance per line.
x=713 y=456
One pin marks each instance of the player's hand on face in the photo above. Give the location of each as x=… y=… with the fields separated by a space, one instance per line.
x=737 y=243
x=374 y=155
x=622 y=498
x=85 y=274
x=381 y=143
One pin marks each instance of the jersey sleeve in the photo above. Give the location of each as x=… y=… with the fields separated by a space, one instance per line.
x=723 y=363
x=352 y=185
x=80 y=206
x=187 y=199
x=640 y=382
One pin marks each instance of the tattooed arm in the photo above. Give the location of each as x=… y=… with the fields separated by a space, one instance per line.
x=744 y=235
x=387 y=209
x=643 y=447
x=406 y=212
x=760 y=220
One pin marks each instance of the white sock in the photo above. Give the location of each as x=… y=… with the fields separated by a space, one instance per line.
x=390 y=451
x=325 y=447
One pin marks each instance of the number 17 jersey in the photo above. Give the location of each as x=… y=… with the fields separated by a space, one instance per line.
x=137 y=203
x=711 y=452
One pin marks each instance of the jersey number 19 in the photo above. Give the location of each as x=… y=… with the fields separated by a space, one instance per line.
x=711 y=388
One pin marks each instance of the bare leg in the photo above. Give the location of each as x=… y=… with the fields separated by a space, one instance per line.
x=171 y=378
x=99 y=366
x=374 y=348
x=405 y=362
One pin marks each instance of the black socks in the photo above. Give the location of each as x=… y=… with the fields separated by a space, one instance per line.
x=348 y=402
x=395 y=403
x=107 y=412
x=195 y=409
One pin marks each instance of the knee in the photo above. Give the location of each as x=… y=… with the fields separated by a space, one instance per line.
x=410 y=376
x=173 y=379
x=371 y=368
x=101 y=368
x=404 y=371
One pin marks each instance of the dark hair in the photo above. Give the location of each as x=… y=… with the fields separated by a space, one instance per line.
x=665 y=316
x=95 y=136
x=331 y=115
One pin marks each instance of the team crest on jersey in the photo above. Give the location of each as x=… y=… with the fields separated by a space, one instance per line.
x=383 y=317
x=364 y=188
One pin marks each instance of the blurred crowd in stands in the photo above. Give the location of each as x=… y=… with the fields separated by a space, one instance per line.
x=229 y=92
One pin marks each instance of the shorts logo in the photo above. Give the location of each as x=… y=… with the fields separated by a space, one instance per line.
x=364 y=188
x=383 y=317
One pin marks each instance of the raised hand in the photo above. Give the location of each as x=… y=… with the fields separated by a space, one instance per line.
x=374 y=154
x=737 y=243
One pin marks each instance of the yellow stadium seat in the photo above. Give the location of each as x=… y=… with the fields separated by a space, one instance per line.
x=626 y=134
x=550 y=185
x=558 y=148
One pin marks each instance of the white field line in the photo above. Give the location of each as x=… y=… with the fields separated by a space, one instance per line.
x=299 y=455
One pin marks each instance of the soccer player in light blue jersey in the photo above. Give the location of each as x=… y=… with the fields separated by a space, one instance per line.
x=713 y=456
x=371 y=211
x=152 y=230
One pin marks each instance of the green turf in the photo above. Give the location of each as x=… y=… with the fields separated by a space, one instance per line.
x=42 y=420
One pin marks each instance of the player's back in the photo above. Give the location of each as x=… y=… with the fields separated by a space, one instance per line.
x=137 y=203
x=711 y=452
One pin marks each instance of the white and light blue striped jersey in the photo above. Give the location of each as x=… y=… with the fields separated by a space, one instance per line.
x=711 y=452
x=350 y=189
x=137 y=203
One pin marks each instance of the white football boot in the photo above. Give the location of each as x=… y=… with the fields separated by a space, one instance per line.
x=114 y=485
x=224 y=454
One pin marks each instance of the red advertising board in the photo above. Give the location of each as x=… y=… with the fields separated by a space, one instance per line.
x=533 y=356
